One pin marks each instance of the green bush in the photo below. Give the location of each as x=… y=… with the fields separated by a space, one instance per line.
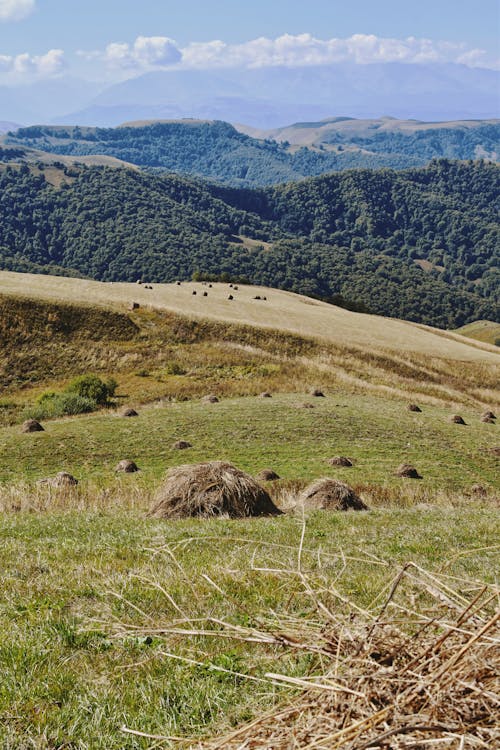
x=92 y=387
x=52 y=404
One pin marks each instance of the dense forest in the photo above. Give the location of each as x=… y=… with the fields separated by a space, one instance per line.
x=355 y=237
x=216 y=150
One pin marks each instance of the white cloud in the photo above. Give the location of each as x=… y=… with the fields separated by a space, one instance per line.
x=304 y=49
x=15 y=10
x=33 y=66
x=145 y=52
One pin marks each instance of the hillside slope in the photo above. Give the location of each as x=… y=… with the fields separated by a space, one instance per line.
x=280 y=310
x=419 y=244
x=219 y=151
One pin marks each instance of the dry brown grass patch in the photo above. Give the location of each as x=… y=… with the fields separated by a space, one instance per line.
x=330 y=494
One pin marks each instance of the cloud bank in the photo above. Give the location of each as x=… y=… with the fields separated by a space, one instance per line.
x=15 y=10
x=33 y=66
x=287 y=50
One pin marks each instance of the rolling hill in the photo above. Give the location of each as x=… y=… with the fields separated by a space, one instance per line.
x=219 y=151
x=417 y=244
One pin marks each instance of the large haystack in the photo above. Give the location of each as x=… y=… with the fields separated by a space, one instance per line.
x=330 y=494
x=267 y=475
x=340 y=461
x=408 y=471
x=211 y=489
x=127 y=466
x=31 y=425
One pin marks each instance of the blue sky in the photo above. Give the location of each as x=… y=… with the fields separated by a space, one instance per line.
x=121 y=38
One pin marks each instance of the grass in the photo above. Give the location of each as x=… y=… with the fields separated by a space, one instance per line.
x=482 y=330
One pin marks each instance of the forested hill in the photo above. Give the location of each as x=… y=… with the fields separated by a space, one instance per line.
x=216 y=150
x=420 y=244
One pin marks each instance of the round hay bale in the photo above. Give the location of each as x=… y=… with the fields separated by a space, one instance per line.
x=478 y=490
x=129 y=413
x=31 y=425
x=340 y=461
x=331 y=494
x=318 y=393
x=267 y=475
x=210 y=399
x=414 y=407
x=489 y=414
x=127 y=466
x=63 y=479
x=487 y=420
x=181 y=445
x=457 y=419
x=408 y=471
x=211 y=489
x=265 y=394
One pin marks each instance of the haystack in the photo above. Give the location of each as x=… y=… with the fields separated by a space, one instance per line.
x=63 y=479
x=181 y=445
x=495 y=450
x=414 y=407
x=129 y=413
x=210 y=399
x=267 y=475
x=489 y=415
x=487 y=420
x=330 y=494
x=408 y=471
x=31 y=425
x=340 y=461
x=306 y=405
x=317 y=392
x=265 y=394
x=127 y=466
x=457 y=419
x=211 y=489
x=478 y=490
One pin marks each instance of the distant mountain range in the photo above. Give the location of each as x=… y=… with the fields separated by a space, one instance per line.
x=218 y=151
x=264 y=97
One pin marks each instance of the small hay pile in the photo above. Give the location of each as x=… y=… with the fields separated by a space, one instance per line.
x=266 y=394
x=129 y=413
x=210 y=399
x=61 y=479
x=318 y=393
x=267 y=475
x=211 y=489
x=127 y=466
x=414 y=407
x=457 y=419
x=340 y=461
x=330 y=494
x=488 y=420
x=181 y=445
x=31 y=425
x=408 y=471
x=489 y=415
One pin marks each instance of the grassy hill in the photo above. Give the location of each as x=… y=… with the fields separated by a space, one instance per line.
x=418 y=244
x=482 y=330
x=113 y=622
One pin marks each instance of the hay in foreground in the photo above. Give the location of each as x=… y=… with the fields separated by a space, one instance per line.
x=340 y=461
x=331 y=494
x=408 y=471
x=31 y=425
x=267 y=475
x=211 y=489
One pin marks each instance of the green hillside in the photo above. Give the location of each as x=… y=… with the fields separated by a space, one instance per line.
x=351 y=238
x=482 y=330
x=218 y=151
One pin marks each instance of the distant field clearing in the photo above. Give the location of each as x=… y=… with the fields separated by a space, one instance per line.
x=281 y=310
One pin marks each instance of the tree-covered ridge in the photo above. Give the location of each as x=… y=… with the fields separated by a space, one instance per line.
x=352 y=237
x=215 y=150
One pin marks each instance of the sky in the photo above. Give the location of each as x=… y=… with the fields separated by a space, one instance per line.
x=118 y=39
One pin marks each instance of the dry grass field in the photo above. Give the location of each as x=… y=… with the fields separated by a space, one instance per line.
x=281 y=310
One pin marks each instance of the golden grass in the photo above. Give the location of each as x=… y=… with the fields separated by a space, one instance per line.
x=283 y=311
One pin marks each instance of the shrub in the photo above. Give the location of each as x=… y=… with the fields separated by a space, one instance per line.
x=52 y=404
x=93 y=388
